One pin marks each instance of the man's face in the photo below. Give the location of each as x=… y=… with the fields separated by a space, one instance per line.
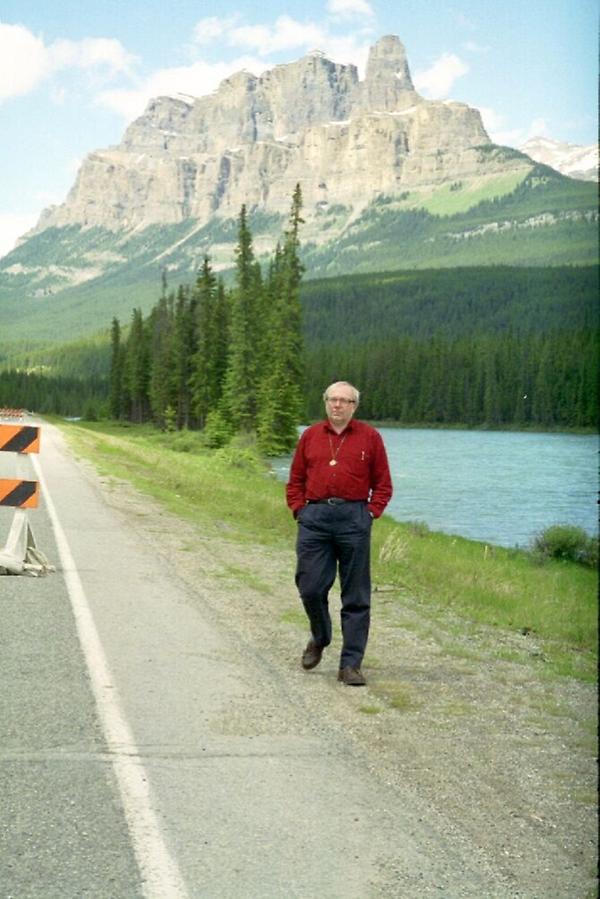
x=340 y=405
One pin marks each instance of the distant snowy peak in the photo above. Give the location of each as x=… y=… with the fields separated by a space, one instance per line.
x=568 y=159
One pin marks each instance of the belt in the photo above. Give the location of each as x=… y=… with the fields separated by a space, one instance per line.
x=335 y=501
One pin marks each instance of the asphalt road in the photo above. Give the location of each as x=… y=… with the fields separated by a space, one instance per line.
x=122 y=775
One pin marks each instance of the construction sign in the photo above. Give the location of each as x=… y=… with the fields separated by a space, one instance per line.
x=20 y=494
x=19 y=438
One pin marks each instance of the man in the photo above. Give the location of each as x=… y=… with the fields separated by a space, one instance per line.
x=339 y=482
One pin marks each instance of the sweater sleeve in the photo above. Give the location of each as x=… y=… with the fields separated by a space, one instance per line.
x=381 y=479
x=296 y=486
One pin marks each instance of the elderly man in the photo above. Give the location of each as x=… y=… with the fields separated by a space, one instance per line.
x=339 y=482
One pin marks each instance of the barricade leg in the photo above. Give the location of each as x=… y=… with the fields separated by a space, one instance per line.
x=20 y=555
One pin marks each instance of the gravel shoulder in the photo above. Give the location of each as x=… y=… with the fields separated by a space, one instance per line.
x=503 y=755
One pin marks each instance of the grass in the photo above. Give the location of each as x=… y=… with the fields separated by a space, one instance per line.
x=456 y=586
x=447 y=201
x=394 y=695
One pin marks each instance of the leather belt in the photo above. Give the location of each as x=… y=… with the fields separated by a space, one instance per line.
x=335 y=500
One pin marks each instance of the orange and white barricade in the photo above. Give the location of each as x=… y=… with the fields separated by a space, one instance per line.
x=20 y=554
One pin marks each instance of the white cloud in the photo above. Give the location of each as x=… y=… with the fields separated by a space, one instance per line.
x=211 y=28
x=285 y=34
x=105 y=54
x=473 y=47
x=437 y=81
x=12 y=226
x=347 y=9
x=23 y=61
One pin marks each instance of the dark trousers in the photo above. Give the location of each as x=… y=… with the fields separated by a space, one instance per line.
x=330 y=536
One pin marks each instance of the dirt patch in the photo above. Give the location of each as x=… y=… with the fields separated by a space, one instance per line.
x=464 y=717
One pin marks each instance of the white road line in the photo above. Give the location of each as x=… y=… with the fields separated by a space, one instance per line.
x=161 y=878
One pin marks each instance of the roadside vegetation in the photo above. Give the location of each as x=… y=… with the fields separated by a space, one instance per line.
x=533 y=607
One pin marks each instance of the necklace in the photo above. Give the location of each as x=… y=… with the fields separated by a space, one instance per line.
x=334 y=455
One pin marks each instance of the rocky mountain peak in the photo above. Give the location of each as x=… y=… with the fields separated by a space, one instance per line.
x=388 y=85
x=249 y=142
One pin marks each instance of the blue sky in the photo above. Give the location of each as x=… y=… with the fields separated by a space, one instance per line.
x=73 y=74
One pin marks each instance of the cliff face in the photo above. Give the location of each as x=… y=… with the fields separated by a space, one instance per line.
x=312 y=122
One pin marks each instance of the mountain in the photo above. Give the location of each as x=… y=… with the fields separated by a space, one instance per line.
x=253 y=139
x=568 y=159
x=389 y=179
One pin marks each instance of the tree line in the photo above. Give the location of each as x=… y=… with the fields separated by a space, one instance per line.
x=495 y=346
x=458 y=302
x=223 y=361
x=547 y=380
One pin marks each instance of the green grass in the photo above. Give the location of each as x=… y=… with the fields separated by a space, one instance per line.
x=462 y=196
x=459 y=585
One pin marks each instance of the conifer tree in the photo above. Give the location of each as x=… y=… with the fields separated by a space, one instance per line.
x=210 y=357
x=137 y=369
x=162 y=383
x=116 y=405
x=240 y=387
x=184 y=347
x=280 y=390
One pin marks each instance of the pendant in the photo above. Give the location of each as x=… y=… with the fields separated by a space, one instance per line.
x=333 y=462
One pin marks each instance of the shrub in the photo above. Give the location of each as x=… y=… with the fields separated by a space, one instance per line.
x=567 y=543
x=218 y=430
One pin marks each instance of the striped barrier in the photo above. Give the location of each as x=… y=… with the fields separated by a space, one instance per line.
x=19 y=494
x=20 y=555
x=11 y=413
x=19 y=439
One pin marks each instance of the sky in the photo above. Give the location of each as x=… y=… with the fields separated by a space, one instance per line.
x=74 y=74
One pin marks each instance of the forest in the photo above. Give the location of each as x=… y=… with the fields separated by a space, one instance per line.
x=495 y=346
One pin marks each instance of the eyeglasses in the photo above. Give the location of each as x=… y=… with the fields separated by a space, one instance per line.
x=340 y=399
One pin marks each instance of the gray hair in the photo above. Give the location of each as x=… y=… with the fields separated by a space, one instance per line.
x=345 y=384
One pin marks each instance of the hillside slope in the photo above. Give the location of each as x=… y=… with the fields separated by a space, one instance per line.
x=543 y=220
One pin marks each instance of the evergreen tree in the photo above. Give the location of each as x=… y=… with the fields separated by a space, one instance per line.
x=116 y=397
x=280 y=390
x=184 y=347
x=137 y=369
x=209 y=361
x=240 y=387
x=162 y=390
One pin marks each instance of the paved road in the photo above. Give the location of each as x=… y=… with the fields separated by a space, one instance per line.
x=117 y=780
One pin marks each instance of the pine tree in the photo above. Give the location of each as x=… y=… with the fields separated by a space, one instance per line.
x=137 y=369
x=280 y=390
x=116 y=405
x=210 y=358
x=162 y=382
x=240 y=387
x=184 y=346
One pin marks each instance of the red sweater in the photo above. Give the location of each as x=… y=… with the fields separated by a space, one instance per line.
x=361 y=471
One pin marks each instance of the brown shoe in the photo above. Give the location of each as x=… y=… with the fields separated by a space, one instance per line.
x=311 y=655
x=352 y=677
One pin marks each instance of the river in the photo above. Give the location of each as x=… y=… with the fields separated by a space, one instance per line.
x=501 y=487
